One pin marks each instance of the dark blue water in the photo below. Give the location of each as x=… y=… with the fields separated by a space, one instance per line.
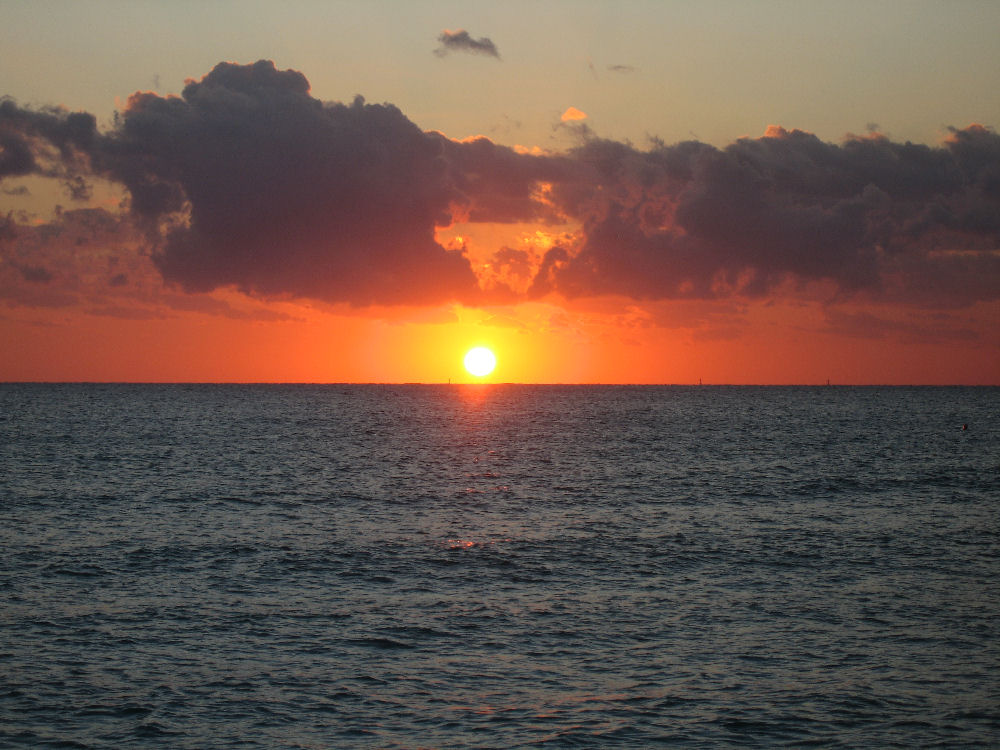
x=499 y=566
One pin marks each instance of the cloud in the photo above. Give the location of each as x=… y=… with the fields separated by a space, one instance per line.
x=865 y=325
x=71 y=259
x=49 y=141
x=290 y=195
x=94 y=260
x=493 y=183
x=460 y=41
x=247 y=180
x=572 y=114
x=35 y=274
x=905 y=222
x=8 y=232
x=621 y=68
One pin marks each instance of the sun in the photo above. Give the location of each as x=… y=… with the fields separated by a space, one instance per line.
x=480 y=361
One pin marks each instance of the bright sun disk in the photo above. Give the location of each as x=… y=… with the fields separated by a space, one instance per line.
x=480 y=361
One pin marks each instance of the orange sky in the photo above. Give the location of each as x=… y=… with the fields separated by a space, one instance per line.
x=535 y=343
x=245 y=231
x=78 y=326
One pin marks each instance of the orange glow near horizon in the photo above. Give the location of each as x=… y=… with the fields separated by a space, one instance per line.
x=156 y=333
x=775 y=343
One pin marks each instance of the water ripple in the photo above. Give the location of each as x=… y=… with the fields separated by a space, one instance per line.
x=401 y=567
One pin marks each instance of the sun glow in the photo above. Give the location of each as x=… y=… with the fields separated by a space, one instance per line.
x=480 y=361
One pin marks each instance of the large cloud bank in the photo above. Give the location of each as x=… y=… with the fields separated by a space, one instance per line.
x=248 y=180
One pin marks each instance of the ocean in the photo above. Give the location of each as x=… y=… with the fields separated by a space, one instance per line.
x=499 y=566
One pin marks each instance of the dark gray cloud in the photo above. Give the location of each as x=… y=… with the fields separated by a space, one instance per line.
x=864 y=325
x=496 y=184
x=35 y=274
x=290 y=195
x=898 y=221
x=247 y=180
x=48 y=141
x=8 y=232
x=78 y=188
x=460 y=41
x=15 y=155
x=621 y=68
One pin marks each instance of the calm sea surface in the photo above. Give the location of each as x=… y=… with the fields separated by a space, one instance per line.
x=499 y=566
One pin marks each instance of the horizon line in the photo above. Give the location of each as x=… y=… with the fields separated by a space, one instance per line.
x=828 y=384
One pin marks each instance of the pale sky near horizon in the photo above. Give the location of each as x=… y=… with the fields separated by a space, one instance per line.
x=819 y=281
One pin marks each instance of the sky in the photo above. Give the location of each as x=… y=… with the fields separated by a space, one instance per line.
x=628 y=192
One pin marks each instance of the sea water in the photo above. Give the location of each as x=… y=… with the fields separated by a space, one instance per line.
x=499 y=566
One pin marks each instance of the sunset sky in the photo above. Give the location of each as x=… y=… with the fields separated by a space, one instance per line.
x=631 y=192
